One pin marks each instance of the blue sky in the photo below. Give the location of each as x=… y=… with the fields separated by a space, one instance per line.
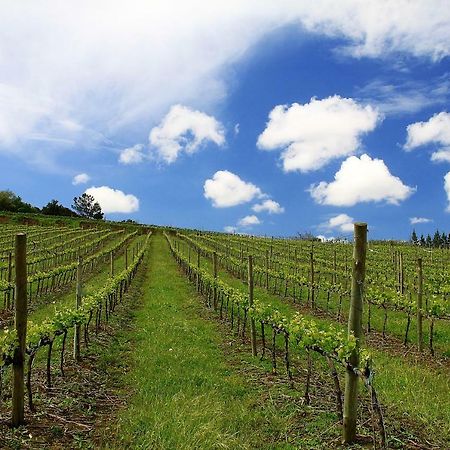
x=163 y=113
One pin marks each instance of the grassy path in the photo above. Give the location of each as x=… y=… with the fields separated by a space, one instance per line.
x=186 y=394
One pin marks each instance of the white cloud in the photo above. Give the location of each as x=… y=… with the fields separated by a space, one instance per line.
x=132 y=155
x=416 y=220
x=447 y=189
x=341 y=222
x=113 y=200
x=81 y=178
x=441 y=156
x=184 y=129
x=226 y=189
x=407 y=96
x=111 y=76
x=249 y=221
x=361 y=180
x=236 y=129
x=230 y=229
x=434 y=131
x=317 y=132
x=271 y=206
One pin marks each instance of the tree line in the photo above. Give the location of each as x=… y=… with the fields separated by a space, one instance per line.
x=439 y=240
x=83 y=206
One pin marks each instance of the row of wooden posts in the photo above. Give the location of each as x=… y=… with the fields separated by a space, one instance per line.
x=21 y=317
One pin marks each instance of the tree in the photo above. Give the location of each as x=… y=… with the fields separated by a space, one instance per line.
x=437 y=239
x=422 y=241
x=54 y=208
x=86 y=206
x=9 y=201
x=414 y=238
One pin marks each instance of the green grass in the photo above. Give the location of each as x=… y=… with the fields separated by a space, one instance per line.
x=186 y=392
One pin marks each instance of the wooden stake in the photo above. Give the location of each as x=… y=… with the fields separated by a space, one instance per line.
x=215 y=277
x=21 y=329
x=111 y=263
x=77 y=330
x=250 y=302
x=419 y=305
x=311 y=255
x=198 y=267
x=8 y=297
x=355 y=328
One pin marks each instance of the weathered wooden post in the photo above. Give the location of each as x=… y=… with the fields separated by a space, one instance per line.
x=215 y=278
x=355 y=328
x=111 y=257
x=267 y=269
x=198 y=269
x=334 y=266
x=419 y=305
x=77 y=329
x=8 y=295
x=20 y=263
x=311 y=262
x=250 y=302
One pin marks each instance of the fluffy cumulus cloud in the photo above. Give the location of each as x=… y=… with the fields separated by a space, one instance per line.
x=341 y=222
x=81 y=178
x=132 y=155
x=313 y=134
x=79 y=96
x=226 y=189
x=436 y=131
x=113 y=200
x=184 y=129
x=270 y=206
x=418 y=220
x=249 y=221
x=361 y=180
x=447 y=189
x=230 y=229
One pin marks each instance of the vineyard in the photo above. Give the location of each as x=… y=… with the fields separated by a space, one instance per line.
x=351 y=338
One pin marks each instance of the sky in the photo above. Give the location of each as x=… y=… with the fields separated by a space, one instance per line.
x=262 y=117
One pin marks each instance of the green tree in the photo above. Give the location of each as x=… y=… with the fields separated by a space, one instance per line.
x=437 y=239
x=414 y=238
x=422 y=241
x=9 y=201
x=54 y=208
x=86 y=206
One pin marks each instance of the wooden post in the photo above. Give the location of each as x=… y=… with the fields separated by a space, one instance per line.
x=355 y=328
x=77 y=330
x=126 y=257
x=419 y=305
x=215 y=277
x=8 y=296
x=198 y=267
x=267 y=269
x=311 y=255
x=111 y=263
x=334 y=266
x=250 y=302
x=20 y=255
